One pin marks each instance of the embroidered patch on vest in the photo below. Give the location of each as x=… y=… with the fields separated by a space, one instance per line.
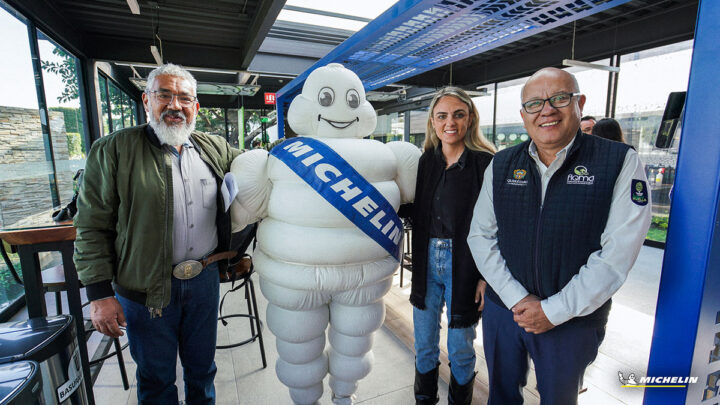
x=580 y=175
x=639 y=192
x=518 y=178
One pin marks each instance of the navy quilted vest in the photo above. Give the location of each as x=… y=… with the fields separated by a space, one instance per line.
x=545 y=244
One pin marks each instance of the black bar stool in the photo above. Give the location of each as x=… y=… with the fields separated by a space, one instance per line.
x=53 y=280
x=240 y=271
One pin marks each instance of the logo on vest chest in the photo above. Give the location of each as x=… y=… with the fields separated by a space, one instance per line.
x=518 y=178
x=580 y=175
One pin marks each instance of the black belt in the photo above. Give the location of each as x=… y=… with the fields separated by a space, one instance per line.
x=141 y=297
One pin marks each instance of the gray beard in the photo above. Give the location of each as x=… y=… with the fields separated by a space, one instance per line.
x=171 y=135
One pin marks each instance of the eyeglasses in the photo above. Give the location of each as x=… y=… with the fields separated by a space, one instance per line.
x=559 y=100
x=165 y=97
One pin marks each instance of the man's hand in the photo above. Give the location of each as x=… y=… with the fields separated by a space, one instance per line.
x=528 y=314
x=480 y=294
x=107 y=316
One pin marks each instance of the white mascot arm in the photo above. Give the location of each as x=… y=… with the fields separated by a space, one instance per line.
x=250 y=204
x=408 y=156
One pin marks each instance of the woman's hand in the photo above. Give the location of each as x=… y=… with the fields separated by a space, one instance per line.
x=480 y=294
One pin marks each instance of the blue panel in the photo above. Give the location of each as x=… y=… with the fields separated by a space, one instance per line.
x=280 y=107
x=688 y=302
x=415 y=36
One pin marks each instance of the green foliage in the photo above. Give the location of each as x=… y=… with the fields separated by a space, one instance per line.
x=660 y=222
x=67 y=70
x=9 y=289
x=252 y=120
x=72 y=117
x=74 y=143
x=658 y=228
x=656 y=234
x=211 y=120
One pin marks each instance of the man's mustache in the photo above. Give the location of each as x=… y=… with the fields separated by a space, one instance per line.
x=173 y=113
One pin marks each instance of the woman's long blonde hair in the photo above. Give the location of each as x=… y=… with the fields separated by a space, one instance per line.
x=474 y=139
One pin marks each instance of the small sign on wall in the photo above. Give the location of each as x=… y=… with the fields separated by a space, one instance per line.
x=270 y=98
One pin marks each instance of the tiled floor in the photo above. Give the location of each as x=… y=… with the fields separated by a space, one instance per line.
x=241 y=379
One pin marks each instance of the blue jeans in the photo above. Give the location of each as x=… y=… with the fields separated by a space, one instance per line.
x=188 y=326
x=427 y=321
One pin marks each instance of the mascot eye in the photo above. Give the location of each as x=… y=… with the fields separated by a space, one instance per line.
x=326 y=97
x=353 y=98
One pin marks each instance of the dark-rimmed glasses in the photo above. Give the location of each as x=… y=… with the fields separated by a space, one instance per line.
x=165 y=97
x=559 y=100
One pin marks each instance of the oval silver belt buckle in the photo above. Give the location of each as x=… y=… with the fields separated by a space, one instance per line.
x=187 y=269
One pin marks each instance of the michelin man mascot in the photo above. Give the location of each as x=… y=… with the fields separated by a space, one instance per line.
x=330 y=236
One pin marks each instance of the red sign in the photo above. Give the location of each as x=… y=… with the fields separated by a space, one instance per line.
x=269 y=98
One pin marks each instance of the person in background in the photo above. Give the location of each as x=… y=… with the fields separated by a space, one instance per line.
x=609 y=128
x=587 y=123
x=150 y=221
x=450 y=176
x=558 y=224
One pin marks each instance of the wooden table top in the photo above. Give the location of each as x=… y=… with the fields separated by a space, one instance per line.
x=62 y=231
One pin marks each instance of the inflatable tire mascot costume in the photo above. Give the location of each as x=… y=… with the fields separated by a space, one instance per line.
x=320 y=196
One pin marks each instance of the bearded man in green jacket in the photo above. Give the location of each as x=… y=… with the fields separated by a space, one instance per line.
x=149 y=225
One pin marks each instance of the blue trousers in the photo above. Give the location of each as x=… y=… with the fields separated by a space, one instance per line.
x=188 y=326
x=427 y=322
x=560 y=356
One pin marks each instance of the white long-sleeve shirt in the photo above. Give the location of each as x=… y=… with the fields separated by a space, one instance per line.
x=606 y=269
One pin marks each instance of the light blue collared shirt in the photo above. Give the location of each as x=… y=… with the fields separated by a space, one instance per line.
x=194 y=205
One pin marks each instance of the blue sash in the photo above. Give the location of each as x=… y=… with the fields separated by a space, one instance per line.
x=343 y=187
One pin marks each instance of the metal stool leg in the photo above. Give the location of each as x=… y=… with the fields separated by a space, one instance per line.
x=58 y=302
x=254 y=309
x=121 y=362
x=250 y=309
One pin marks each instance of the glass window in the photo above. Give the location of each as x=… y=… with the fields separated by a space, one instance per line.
x=62 y=95
x=485 y=106
x=389 y=127
x=232 y=131
x=133 y=112
x=645 y=81
x=593 y=84
x=253 y=126
x=509 y=129
x=25 y=169
x=126 y=111
x=368 y=9
x=418 y=126
x=119 y=110
x=116 y=112
x=104 y=106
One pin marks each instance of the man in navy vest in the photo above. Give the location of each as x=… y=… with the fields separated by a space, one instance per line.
x=557 y=226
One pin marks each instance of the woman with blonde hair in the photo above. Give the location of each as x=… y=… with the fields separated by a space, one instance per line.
x=450 y=176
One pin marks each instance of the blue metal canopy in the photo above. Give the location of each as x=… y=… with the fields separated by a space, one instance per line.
x=415 y=36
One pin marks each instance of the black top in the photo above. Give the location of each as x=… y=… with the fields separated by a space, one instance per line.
x=442 y=218
x=459 y=203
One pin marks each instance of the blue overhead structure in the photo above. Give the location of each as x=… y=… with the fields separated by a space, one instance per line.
x=686 y=338
x=415 y=36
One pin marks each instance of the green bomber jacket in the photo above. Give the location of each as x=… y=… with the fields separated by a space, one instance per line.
x=125 y=213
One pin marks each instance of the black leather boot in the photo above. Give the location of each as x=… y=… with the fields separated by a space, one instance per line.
x=460 y=394
x=426 y=387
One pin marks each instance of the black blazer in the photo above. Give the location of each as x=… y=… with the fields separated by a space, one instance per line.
x=465 y=274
